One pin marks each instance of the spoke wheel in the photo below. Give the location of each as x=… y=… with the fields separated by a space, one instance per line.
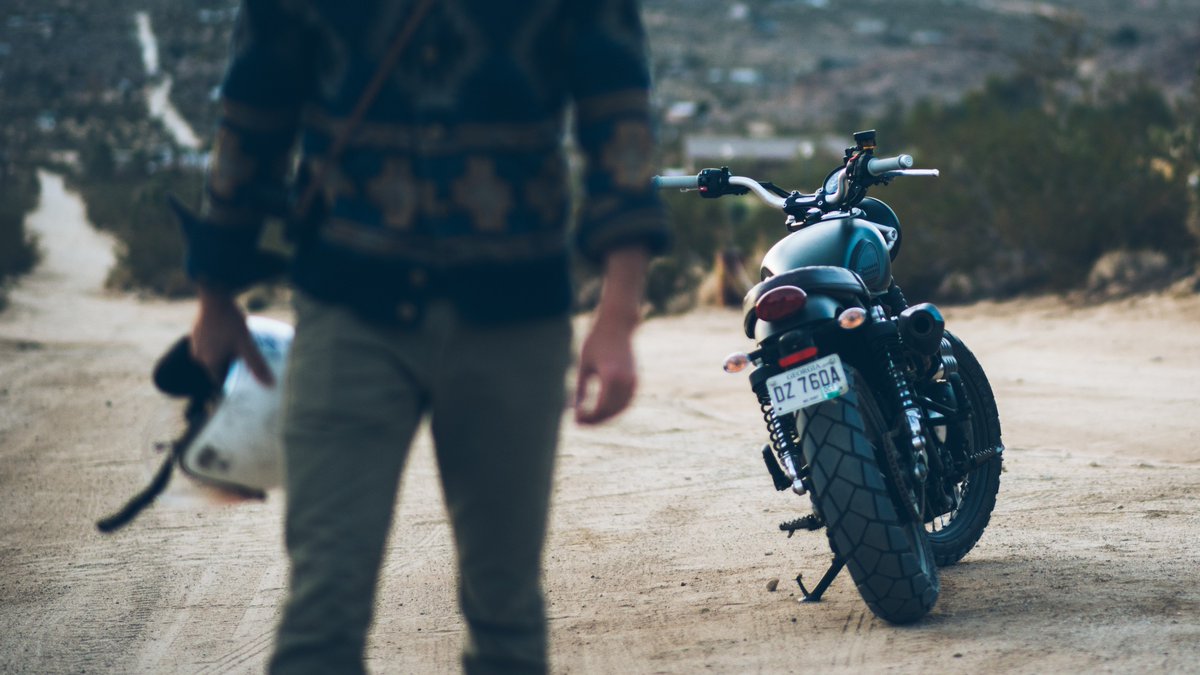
x=952 y=535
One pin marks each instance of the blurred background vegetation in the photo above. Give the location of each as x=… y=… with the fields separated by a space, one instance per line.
x=131 y=203
x=1049 y=183
x=18 y=248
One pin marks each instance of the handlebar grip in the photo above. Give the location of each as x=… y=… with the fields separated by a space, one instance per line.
x=681 y=182
x=883 y=165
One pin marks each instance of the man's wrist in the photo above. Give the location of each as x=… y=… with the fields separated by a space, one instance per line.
x=623 y=316
x=215 y=298
x=624 y=285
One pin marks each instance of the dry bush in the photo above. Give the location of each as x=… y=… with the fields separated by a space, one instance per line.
x=18 y=248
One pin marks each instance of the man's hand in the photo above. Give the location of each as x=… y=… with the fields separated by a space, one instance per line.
x=606 y=360
x=220 y=336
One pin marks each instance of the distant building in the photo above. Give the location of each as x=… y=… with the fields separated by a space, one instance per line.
x=708 y=150
x=680 y=111
x=745 y=76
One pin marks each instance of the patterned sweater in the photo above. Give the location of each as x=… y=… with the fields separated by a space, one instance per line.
x=455 y=185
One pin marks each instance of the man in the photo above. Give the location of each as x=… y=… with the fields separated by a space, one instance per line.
x=434 y=281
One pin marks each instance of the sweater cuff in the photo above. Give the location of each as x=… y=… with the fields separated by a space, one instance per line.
x=643 y=224
x=224 y=258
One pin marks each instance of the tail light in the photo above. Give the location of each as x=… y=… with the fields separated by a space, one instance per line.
x=780 y=303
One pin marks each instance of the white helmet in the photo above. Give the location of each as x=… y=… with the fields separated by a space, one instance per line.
x=240 y=446
x=234 y=435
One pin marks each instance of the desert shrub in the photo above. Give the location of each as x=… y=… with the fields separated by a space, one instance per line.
x=670 y=286
x=18 y=247
x=152 y=252
x=1035 y=188
x=1120 y=273
x=134 y=208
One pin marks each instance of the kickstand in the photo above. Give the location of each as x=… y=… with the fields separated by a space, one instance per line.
x=815 y=594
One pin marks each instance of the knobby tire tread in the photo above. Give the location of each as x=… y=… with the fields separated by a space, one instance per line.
x=883 y=552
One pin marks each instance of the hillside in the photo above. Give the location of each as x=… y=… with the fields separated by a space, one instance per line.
x=802 y=64
x=70 y=69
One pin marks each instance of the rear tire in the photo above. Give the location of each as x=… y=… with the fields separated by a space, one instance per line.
x=953 y=535
x=888 y=554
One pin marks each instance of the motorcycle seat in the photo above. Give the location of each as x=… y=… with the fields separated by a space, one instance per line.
x=838 y=282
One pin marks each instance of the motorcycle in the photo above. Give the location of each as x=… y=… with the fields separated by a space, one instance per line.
x=872 y=408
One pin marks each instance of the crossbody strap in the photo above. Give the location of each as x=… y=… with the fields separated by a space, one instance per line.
x=360 y=109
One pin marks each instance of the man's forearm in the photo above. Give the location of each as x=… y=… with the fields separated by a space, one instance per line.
x=624 y=287
x=606 y=361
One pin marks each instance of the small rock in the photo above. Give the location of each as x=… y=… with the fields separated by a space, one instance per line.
x=958 y=655
x=1120 y=273
x=772 y=585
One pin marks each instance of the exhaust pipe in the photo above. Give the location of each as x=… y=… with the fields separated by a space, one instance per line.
x=922 y=327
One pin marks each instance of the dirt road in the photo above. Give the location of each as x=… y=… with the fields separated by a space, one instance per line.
x=664 y=531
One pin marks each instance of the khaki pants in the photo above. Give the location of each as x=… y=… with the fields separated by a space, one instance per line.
x=355 y=395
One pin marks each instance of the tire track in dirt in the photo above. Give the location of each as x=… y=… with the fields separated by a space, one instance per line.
x=251 y=641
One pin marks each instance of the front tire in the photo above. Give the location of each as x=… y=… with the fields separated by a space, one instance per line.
x=888 y=554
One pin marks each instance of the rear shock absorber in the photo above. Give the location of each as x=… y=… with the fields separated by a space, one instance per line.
x=784 y=441
x=885 y=341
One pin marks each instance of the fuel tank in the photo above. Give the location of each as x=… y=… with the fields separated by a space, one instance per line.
x=848 y=241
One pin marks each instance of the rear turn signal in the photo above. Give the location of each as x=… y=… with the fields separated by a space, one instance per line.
x=736 y=362
x=780 y=303
x=852 y=318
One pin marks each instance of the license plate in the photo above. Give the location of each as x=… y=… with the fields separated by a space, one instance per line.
x=808 y=385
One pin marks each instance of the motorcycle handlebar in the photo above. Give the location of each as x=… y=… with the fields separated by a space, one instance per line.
x=681 y=182
x=693 y=183
x=882 y=165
